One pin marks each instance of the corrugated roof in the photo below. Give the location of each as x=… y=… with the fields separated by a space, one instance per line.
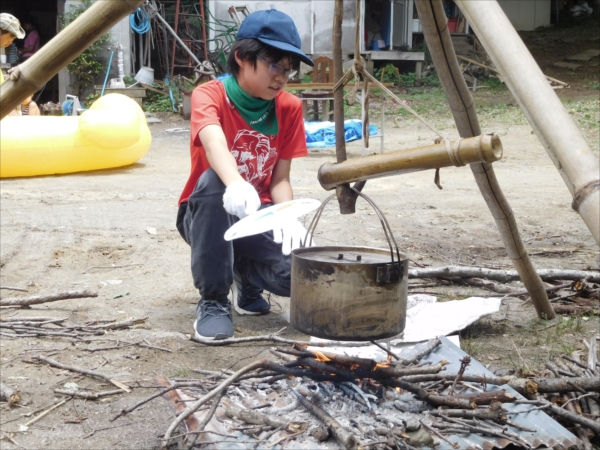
x=549 y=433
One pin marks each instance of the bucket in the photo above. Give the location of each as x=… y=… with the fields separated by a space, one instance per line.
x=145 y=76
x=116 y=83
x=452 y=24
x=377 y=44
x=417 y=26
x=349 y=293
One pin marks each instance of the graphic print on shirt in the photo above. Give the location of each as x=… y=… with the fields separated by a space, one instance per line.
x=254 y=155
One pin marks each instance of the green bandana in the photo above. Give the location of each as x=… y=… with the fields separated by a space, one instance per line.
x=259 y=113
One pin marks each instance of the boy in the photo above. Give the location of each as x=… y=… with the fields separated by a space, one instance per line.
x=10 y=29
x=244 y=133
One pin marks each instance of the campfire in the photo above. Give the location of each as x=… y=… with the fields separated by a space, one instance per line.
x=431 y=394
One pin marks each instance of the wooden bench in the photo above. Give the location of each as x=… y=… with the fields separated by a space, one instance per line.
x=397 y=55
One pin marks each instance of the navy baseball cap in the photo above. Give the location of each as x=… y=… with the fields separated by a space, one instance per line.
x=276 y=29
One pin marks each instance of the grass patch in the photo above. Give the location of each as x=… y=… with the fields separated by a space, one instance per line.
x=470 y=341
x=586 y=114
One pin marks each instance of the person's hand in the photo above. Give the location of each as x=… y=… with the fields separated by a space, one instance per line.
x=14 y=73
x=241 y=199
x=291 y=234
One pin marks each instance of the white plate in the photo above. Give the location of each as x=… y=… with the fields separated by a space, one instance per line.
x=267 y=218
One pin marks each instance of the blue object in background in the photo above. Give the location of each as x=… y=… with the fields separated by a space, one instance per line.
x=386 y=22
x=322 y=134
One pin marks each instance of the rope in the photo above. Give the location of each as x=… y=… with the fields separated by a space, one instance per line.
x=107 y=72
x=139 y=21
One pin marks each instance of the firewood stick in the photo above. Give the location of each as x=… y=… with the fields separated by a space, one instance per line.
x=489 y=427
x=552 y=367
x=392 y=372
x=254 y=417
x=229 y=341
x=587 y=445
x=344 y=437
x=31 y=319
x=431 y=345
x=344 y=360
x=574 y=361
x=27 y=322
x=27 y=331
x=91 y=373
x=177 y=385
x=9 y=394
x=262 y=374
x=464 y=363
x=389 y=352
x=492 y=286
x=88 y=395
x=9 y=288
x=524 y=386
x=272 y=338
x=211 y=412
x=431 y=430
x=117 y=325
x=189 y=410
x=484 y=414
x=574 y=418
x=501 y=275
x=45 y=413
x=467 y=401
x=37 y=299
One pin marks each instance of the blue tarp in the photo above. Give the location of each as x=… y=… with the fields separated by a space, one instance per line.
x=322 y=134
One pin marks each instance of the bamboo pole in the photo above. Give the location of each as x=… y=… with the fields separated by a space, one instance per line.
x=486 y=148
x=439 y=42
x=61 y=50
x=345 y=195
x=560 y=136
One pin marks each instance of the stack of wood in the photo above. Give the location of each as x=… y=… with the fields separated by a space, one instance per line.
x=439 y=404
x=477 y=64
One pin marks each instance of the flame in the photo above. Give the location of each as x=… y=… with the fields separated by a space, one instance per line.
x=398 y=390
x=389 y=358
x=321 y=357
x=384 y=365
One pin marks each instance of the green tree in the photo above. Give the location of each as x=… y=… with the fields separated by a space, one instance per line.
x=86 y=67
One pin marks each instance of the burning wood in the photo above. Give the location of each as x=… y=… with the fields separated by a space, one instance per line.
x=315 y=396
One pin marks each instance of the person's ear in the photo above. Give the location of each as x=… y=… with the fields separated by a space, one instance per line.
x=239 y=60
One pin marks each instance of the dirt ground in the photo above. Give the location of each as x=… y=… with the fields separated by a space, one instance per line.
x=63 y=233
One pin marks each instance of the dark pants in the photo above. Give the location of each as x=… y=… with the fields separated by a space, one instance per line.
x=202 y=222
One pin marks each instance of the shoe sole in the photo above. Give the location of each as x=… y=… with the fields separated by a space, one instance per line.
x=217 y=337
x=240 y=310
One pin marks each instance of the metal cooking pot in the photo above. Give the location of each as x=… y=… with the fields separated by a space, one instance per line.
x=349 y=293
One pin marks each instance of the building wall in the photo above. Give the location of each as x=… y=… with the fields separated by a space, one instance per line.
x=527 y=15
x=119 y=33
x=313 y=18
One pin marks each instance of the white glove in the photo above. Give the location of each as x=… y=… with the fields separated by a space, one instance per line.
x=241 y=199
x=291 y=234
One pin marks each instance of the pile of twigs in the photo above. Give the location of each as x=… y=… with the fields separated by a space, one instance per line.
x=440 y=398
x=19 y=327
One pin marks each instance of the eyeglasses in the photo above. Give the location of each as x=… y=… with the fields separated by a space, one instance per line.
x=276 y=69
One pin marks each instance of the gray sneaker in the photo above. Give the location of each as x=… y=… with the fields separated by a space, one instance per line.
x=248 y=299
x=213 y=319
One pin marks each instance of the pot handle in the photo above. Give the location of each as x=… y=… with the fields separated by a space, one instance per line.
x=384 y=223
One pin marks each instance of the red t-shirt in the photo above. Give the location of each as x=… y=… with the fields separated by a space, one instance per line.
x=256 y=153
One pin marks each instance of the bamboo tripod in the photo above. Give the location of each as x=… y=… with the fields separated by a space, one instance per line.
x=442 y=52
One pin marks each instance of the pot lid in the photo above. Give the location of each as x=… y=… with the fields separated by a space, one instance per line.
x=346 y=255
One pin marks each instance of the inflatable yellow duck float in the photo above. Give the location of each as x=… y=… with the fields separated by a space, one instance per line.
x=113 y=132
